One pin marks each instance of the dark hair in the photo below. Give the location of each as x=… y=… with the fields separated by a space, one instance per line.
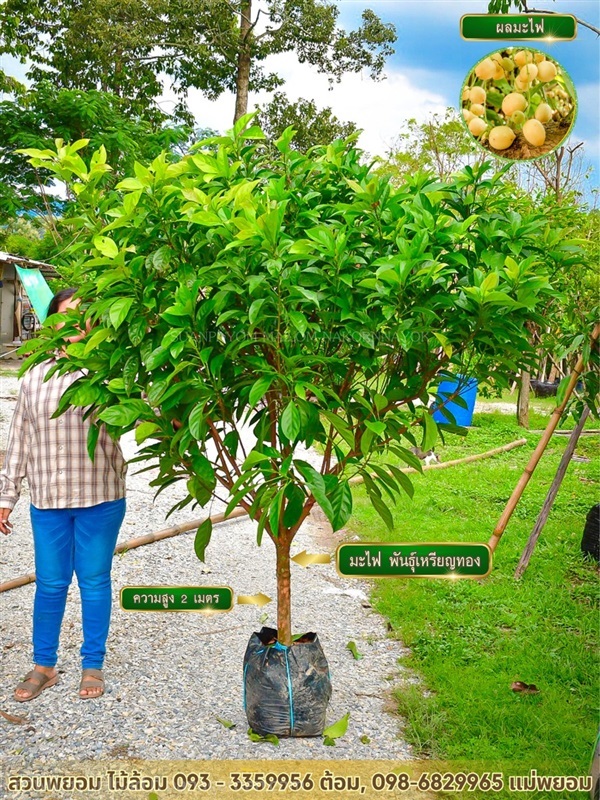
x=58 y=298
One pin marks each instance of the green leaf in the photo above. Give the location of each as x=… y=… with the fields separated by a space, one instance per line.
x=137 y=331
x=408 y=457
x=365 y=739
x=353 y=649
x=92 y=440
x=338 y=728
x=259 y=389
x=106 y=246
x=316 y=484
x=290 y=421
x=341 y=426
x=295 y=503
x=378 y=428
x=562 y=389
x=430 y=433
x=402 y=479
x=119 y=310
x=202 y=538
x=256 y=737
x=275 y=512
x=341 y=502
x=196 y=420
x=97 y=338
x=377 y=502
x=121 y=416
x=299 y=322
x=226 y=723
x=254 y=310
x=203 y=470
x=145 y=430
x=254 y=457
x=130 y=185
x=130 y=372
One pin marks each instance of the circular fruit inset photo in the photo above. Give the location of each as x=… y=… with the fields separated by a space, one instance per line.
x=518 y=103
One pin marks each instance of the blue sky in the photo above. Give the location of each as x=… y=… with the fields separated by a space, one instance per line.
x=431 y=52
x=426 y=73
x=424 y=76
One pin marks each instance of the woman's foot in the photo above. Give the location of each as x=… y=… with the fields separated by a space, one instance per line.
x=92 y=684
x=35 y=682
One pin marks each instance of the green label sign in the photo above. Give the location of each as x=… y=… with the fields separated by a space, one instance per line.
x=176 y=598
x=37 y=290
x=411 y=560
x=513 y=27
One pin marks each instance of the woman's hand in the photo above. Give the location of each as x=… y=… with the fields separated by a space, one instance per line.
x=5 y=525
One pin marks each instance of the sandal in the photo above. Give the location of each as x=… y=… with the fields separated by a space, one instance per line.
x=91 y=679
x=35 y=682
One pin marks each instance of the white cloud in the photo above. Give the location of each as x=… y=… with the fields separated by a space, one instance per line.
x=379 y=108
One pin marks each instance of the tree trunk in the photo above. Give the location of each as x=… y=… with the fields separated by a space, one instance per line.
x=523 y=400
x=242 y=79
x=553 y=373
x=550 y=497
x=284 y=603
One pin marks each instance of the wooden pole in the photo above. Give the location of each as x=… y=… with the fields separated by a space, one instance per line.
x=455 y=462
x=550 y=497
x=157 y=536
x=166 y=533
x=537 y=453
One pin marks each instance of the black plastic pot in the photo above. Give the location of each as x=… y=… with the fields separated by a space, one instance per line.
x=286 y=689
x=590 y=541
x=544 y=389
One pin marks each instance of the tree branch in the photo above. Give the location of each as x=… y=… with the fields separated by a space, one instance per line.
x=577 y=20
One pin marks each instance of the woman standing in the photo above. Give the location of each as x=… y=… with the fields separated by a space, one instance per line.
x=77 y=507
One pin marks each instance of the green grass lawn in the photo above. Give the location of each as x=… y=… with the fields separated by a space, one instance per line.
x=470 y=640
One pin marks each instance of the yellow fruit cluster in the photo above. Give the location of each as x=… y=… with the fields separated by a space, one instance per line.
x=515 y=91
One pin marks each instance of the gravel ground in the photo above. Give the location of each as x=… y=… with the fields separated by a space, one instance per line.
x=169 y=676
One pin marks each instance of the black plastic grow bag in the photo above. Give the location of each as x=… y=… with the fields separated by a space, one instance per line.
x=286 y=689
x=590 y=542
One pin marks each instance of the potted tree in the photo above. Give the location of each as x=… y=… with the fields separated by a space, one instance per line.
x=248 y=300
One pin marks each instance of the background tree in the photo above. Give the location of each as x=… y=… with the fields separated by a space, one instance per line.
x=440 y=144
x=312 y=126
x=245 y=305
x=124 y=46
x=554 y=184
x=36 y=118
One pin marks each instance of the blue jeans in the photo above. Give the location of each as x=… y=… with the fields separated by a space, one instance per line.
x=83 y=540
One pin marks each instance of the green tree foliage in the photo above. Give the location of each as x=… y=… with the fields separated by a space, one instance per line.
x=124 y=46
x=245 y=305
x=37 y=117
x=312 y=126
x=440 y=144
x=552 y=185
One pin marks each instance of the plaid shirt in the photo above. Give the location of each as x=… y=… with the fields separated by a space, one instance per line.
x=52 y=453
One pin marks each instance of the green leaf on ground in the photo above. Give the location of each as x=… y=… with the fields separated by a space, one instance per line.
x=268 y=737
x=226 y=723
x=336 y=730
x=353 y=649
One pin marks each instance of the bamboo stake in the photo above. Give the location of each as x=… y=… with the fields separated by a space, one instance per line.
x=166 y=533
x=589 y=432
x=157 y=536
x=455 y=462
x=537 y=453
x=550 y=497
